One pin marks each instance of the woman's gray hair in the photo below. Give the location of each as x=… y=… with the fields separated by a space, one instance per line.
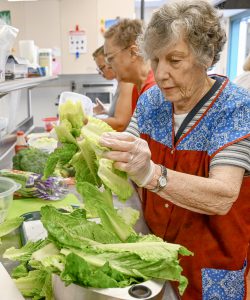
x=197 y=20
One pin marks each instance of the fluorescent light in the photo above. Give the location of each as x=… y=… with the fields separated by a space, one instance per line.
x=21 y=0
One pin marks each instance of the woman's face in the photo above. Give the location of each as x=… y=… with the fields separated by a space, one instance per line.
x=119 y=59
x=104 y=69
x=177 y=72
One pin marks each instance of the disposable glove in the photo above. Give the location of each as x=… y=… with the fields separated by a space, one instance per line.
x=99 y=108
x=131 y=154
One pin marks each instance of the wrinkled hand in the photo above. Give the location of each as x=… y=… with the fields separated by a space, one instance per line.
x=99 y=108
x=131 y=154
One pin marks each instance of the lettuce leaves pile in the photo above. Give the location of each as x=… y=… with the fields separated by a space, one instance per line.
x=80 y=148
x=99 y=255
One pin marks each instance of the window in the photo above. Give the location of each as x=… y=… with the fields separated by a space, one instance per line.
x=149 y=7
x=239 y=43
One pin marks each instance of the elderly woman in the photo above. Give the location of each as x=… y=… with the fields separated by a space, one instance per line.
x=122 y=55
x=120 y=111
x=188 y=148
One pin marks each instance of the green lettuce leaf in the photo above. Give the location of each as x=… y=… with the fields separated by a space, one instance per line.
x=85 y=164
x=91 y=195
x=20 y=271
x=110 y=220
x=61 y=156
x=161 y=256
x=115 y=180
x=10 y=225
x=93 y=130
x=73 y=113
x=129 y=215
x=37 y=284
x=79 y=271
x=24 y=254
x=74 y=231
x=64 y=135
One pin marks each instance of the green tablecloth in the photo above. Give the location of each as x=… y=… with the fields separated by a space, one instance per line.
x=22 y=206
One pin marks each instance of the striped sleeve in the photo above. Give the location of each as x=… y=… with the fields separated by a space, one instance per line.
x=237 y=154
x=133 y=126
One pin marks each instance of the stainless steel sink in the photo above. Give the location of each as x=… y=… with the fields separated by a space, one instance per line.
x=146 y=290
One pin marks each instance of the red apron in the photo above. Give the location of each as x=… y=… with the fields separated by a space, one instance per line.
x=219 y=243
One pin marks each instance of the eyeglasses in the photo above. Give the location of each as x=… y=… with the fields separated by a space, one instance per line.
x=100 y=69
x=109 y=58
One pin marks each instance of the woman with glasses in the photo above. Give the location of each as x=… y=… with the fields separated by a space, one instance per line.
x=122 y=54
x=189 y=149
x=120 y=112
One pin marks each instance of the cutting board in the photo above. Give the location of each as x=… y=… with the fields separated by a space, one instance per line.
x=24 y=205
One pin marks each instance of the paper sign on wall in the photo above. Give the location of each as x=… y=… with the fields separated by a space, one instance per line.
x=77 y=41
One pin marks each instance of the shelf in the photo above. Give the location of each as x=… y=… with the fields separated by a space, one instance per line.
x=7 y=142
x=12 y=85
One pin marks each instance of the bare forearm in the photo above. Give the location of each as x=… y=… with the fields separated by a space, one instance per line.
x=199 y=194
x=117 y=124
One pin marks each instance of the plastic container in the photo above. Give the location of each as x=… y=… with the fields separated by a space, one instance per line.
x=87 y=104
x=45 y=60
x=45 y=144
x=28 y=50
x=7 y=189
x=49 y=123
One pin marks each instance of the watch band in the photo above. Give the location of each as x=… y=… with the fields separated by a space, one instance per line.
x=162 y=180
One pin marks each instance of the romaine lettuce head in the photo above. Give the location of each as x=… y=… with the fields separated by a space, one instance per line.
x=73 y=112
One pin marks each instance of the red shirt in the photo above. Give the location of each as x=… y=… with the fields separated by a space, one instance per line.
x=150 y=81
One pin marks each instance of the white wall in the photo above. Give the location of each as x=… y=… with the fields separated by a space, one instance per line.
x=111 y=9
x=48 y=23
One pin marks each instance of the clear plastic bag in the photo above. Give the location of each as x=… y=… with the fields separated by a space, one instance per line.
x=7 y=38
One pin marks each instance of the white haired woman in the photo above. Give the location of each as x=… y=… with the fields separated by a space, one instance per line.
x=188 y=148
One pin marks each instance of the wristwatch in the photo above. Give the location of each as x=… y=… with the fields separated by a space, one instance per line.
x=161 y=181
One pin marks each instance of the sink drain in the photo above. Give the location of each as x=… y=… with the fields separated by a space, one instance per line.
x=139 y=291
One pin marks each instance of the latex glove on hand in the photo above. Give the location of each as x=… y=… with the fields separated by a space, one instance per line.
x=99 y=108
x=131 y=154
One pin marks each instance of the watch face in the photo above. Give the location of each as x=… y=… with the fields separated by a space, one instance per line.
x=162 y=181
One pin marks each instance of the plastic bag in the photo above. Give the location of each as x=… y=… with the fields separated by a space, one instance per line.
x=7 y=38
x=33 y=186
